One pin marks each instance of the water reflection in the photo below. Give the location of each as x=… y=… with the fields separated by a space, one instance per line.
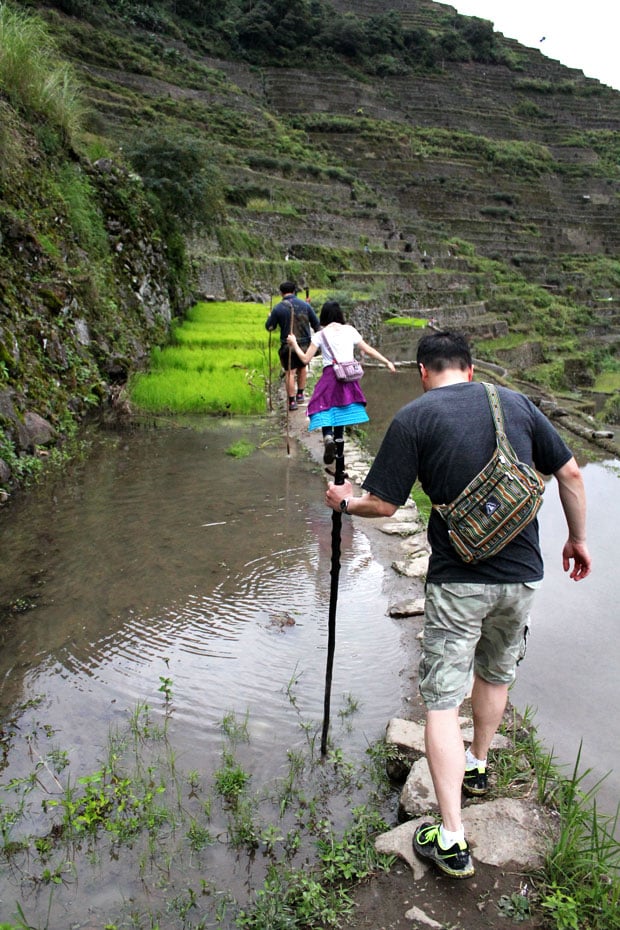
x=166 y=556
x=570 y=676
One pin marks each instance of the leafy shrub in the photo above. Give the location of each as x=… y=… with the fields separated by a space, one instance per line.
x=179 y=173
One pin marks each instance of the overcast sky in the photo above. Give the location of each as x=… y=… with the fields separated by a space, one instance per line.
x=584 y=35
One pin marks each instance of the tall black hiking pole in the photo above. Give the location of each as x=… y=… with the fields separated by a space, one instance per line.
x=339 y=476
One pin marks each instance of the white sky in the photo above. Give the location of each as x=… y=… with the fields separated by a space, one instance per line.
x=583 y=35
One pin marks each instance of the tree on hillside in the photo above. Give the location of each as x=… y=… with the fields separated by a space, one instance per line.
x=178 y=173
x=479 y=35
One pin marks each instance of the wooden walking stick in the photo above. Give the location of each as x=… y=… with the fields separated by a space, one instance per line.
x=269 y=359
x=286 y=377
x=339 y=476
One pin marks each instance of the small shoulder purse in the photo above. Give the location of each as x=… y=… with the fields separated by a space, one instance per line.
x=344 y=371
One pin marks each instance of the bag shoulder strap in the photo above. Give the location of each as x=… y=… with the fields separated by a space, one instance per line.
x=495 y=405
x=323 y=336
x=501 y=440
x=498 y=421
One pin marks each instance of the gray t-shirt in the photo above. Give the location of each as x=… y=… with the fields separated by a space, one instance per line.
x=445 y=438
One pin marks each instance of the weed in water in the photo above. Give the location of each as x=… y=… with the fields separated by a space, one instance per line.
x=243 y=832
x=351 y=706
x=236 y=730
x=354 y=857
x=199 y=836
x=230 y=779
x=166 y=688
x=240 y=449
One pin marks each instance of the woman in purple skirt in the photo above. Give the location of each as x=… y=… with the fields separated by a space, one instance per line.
x=335 y=404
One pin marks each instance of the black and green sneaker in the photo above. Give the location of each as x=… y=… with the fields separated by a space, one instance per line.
x=455 y=861
x=476 y=782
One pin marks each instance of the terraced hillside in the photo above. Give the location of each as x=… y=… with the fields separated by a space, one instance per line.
x=430 y=190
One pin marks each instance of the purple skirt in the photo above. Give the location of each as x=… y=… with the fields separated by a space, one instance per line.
x=330 y=392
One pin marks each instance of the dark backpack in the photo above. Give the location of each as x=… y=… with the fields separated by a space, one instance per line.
x=301 y=324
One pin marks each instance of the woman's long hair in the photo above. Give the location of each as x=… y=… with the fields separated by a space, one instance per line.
x=331 y=312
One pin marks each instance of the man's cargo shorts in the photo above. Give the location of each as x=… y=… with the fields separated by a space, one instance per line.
x=469 y=628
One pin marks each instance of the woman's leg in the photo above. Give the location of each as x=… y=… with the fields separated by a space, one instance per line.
x=330 y=446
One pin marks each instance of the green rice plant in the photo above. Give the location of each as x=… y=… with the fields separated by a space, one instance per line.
x=218 y=362
x=177 y=391
x=416 y=322
x=611 y=409
x=608 y=382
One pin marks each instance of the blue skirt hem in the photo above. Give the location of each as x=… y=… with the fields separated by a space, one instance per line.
x=339 y=416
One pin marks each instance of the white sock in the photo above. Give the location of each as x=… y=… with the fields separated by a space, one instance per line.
x=448 y=838
x=472 y=763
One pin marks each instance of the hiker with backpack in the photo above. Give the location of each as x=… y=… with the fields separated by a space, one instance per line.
x=294 y=315
x=476 y=614
x=335 y=403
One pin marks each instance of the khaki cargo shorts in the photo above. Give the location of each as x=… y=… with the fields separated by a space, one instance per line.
x=469 y=628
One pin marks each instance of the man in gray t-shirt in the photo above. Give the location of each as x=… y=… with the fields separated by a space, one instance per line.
x=476 y=614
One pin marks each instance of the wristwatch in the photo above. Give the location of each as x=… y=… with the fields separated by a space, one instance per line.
x=344 y=503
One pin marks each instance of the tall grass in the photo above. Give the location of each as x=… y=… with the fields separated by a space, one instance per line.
x=581 y=886
x=32 y=74
x=578 y=886
x=217 y=363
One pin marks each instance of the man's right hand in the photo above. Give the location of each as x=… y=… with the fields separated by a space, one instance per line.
x=337 y=492
x=578 y=552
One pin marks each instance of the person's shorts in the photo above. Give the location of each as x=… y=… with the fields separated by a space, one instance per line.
x=469 y=628
x=295 y=361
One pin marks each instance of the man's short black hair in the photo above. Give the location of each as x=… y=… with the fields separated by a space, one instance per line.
x=288 y=287
x=439 y=351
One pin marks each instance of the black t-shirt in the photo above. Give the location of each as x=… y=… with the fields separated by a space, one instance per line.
x=445 y=438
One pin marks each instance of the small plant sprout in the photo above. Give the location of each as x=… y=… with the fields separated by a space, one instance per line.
x=236 y=730
x=165 y=687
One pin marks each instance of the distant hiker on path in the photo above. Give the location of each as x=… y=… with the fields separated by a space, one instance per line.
x=296 y=315
x=335 y=404
x=476 y=614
